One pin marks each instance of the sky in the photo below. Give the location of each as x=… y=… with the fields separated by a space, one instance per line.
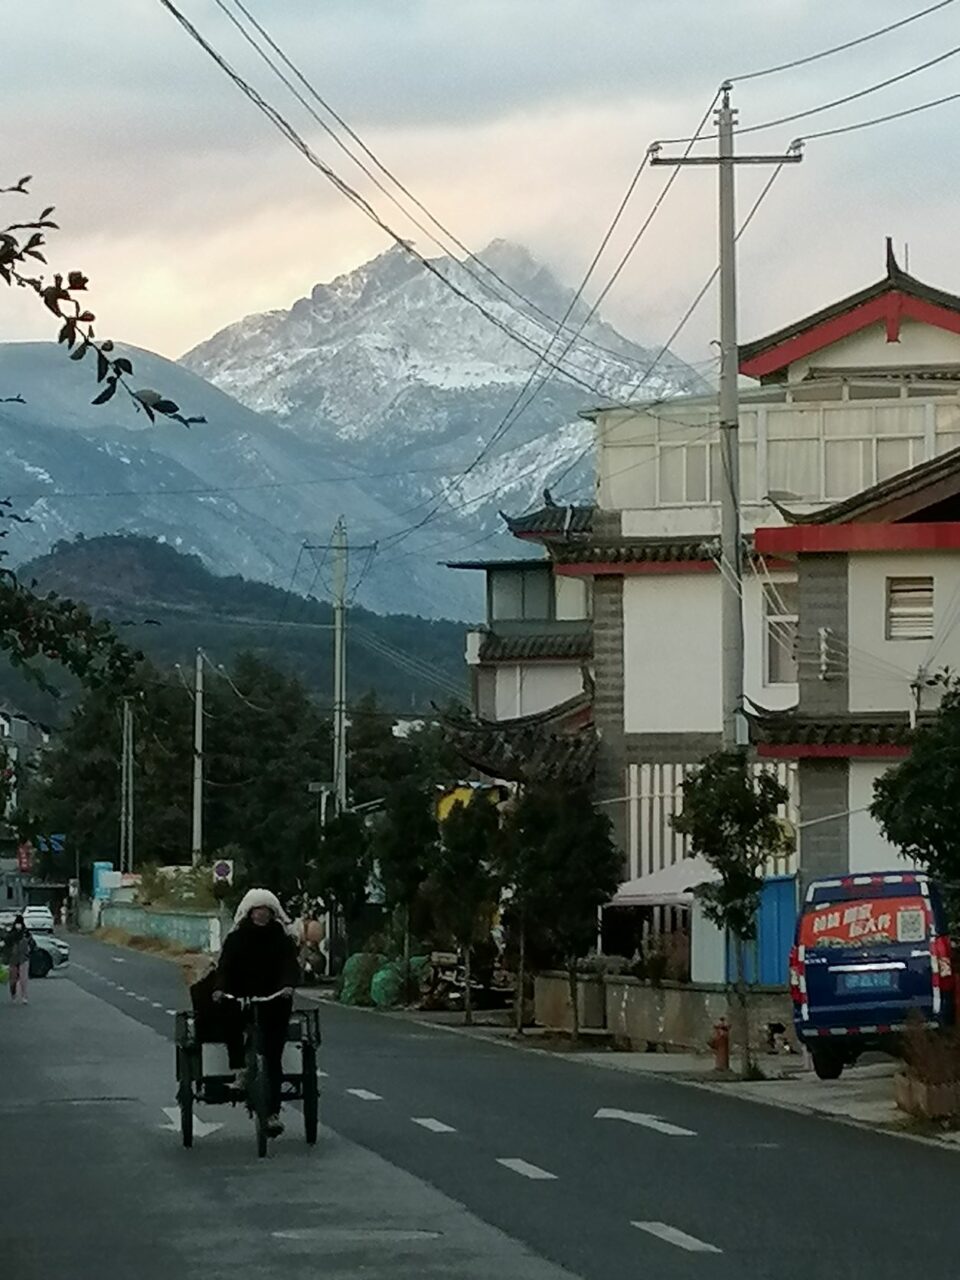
x=521 y=119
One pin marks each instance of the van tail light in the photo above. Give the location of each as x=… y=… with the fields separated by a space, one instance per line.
x=796 y=976
x=942 y=952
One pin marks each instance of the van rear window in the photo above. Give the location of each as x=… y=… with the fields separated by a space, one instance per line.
x=866 y=922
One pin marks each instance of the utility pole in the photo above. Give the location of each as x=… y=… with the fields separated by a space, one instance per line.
x=124 y=778
x=196 y=848
x=128 y=708
x=731 y=550
x=340 y=556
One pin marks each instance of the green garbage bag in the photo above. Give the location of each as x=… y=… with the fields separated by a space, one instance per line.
x=357 y=975
x=386 y=989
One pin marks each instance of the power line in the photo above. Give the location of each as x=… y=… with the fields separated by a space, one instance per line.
x=296 y=140
x=765 y=191
x=841 y=48
x=519 y=406
x=472 y=257
x=893 y=115
x=828 y=106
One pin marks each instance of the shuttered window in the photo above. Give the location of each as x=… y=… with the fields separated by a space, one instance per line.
x=910 y=608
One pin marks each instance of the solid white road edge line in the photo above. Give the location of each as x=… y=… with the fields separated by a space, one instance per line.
x=526 y=1170
x=365 y=1095
x=434 y=1126
x=673 y=1235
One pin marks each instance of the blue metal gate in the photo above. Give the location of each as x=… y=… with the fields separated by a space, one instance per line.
x=767 y=957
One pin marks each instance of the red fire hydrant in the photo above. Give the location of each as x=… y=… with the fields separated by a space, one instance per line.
x=720 y=1044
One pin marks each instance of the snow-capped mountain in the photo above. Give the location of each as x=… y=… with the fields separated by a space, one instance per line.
x=407 y=382
x=373 y=397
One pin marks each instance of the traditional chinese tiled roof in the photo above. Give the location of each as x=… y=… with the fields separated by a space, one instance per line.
x=558 y=745
x=791 y=729
x=896 y=280
x=551 y=522
x=516 y=648
x=635 y=550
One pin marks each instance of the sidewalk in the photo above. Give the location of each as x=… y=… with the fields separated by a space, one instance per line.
x=863 y=1096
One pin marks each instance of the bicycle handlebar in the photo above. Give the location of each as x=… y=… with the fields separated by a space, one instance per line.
x=226 y=995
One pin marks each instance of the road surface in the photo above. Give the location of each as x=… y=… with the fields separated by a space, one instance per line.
x=440 y=1156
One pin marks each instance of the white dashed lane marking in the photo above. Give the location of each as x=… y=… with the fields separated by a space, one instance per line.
x=527 y=1170
x=433 y=1126
x=365 y=1095
x=674 y=1236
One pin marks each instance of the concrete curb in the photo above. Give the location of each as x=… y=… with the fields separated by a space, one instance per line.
x=684 y=1080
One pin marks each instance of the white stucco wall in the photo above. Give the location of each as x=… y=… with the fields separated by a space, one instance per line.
x=868 y=849
x=525 y=689
x=918 y=344
x=672 y=653
x=881 y=670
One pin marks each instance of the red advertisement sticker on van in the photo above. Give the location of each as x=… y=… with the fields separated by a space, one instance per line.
x=866 y=922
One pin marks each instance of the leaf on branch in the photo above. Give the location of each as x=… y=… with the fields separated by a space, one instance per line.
x=103 y=366
x=80 y=352
x=86 y=317
x=107 y=393
x=76 y=280
x=107 y=346
x=166 y=407
x=47 y=212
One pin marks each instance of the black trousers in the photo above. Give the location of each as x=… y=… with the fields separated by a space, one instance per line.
x=273 y=1020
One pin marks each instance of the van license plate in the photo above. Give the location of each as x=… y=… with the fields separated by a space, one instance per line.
x=869 y=980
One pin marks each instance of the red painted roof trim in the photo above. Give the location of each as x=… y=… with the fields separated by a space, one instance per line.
x=890 y=309
x=796 y=538
x=831 y=751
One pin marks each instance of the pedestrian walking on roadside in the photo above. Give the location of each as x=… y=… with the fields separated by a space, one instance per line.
x=18 y=946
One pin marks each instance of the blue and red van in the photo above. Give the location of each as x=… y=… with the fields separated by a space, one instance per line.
x=872 y=953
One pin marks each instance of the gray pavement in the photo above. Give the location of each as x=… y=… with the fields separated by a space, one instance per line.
x=94 y=1183
x=605 y=1174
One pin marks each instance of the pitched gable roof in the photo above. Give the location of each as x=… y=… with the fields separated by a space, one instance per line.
x=899 y=498
x=890 y=300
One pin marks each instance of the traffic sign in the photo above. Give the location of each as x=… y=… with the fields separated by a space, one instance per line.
x=223 y=871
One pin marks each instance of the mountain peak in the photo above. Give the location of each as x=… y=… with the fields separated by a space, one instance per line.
x=514 y=261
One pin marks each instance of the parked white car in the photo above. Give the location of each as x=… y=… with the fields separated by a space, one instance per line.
x=38 y=919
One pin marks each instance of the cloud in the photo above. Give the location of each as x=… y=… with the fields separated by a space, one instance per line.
x=516 y=118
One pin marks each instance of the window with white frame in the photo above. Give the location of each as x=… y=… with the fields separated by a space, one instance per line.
x=909 y=612
x=781 y=610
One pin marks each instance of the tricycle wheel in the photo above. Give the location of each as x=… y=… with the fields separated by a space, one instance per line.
x=311 y=1096
x=185 y=1096
x=257 y=1101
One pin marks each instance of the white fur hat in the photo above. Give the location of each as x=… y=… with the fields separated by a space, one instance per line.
x=260 y=898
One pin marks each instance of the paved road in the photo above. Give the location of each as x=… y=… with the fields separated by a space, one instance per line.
x=704 y=1185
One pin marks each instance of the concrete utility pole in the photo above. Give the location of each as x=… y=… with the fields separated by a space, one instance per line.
x=196 y=847
x=126 y=788
x=731 y=551
x=341 y=552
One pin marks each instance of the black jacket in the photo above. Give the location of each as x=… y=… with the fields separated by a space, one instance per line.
x=257 y=960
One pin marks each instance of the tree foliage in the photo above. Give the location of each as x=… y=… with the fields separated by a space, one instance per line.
x=730 y=816
x=731 y=819
x=465 y=877
x=562 y=865
x=917 y=802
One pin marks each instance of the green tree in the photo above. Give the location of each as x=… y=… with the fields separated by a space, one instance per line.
x=569 y=871
x=730 y=816
x=265 y=742
x=465 y=878
x=343 y=867
x=376 y=757
x=917 y=802
x=405 y=847
x=526 y=818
